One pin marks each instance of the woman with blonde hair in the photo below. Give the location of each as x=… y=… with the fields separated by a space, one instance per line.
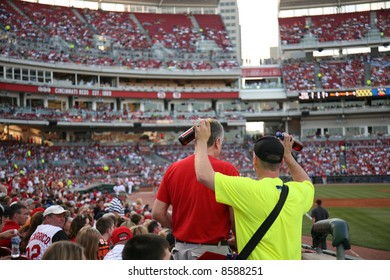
x=139 y=229
x=64 y=250
x=139 y=205
x=89 y=237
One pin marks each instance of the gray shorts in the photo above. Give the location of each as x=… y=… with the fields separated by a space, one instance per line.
x=191 y=251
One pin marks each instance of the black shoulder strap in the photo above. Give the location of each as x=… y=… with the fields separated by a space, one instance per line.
x=252 y=243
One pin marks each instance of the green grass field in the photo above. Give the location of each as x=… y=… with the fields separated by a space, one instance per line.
x=368 y=227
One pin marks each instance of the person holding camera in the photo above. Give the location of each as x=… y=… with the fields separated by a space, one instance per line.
x=253 y=200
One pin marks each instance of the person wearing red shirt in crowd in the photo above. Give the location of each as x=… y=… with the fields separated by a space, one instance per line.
x=197 y=221
x=17 y=218
x=7 y=185
x=23 y=180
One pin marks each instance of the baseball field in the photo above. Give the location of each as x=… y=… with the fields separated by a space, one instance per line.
x=365 y=208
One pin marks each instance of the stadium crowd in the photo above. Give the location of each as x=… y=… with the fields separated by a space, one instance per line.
x=333 y=27
x=78 y=166
x=348 y=72
x=41 y=176
x=54 y=34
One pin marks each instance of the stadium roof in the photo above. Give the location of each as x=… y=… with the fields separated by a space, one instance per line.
x=167 y=3
x=302 y=4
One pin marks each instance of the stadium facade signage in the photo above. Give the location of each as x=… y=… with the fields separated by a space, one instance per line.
x=53 y=91
x=261 y=72
x=316 y=95
x=161 y=95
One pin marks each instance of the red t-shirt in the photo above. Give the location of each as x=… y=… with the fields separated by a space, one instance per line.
x=8 y=225
x=196 y=216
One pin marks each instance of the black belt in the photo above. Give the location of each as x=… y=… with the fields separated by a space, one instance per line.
x=220 y=243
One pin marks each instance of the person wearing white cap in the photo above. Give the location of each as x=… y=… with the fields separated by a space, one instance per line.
x=50 y=231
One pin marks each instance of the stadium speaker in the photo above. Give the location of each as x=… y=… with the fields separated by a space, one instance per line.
x=320 y=49
x=52 y=123
x=305 y=113
x=137 y=125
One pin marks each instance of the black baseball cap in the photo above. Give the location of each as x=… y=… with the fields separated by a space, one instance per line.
x=269 y=149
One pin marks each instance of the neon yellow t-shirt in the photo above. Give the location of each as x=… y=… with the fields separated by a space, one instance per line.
x=253 y=200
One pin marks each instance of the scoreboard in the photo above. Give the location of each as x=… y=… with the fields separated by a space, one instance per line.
x=316 y=95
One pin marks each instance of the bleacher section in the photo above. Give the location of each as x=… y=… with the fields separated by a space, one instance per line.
x=96 y=37
x=348 y=72
x=333 y=27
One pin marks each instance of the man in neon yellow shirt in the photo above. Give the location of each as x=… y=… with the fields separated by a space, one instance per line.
x=253 y=200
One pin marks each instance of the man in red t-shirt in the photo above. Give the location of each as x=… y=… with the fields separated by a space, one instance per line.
x=198 y=222
x=18 y=217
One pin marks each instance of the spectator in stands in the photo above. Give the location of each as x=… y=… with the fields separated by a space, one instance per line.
x=64 y=250
x=154 y=227
x=18 y=217
x=139 y=229
x=8 y=233
x=136 y=218
x=146 y=247
x=112 y=217
x=120 y=236
x=89 y=237
x=117 y=204
x=253 y=199
x=35 y=221
x=139 y=205
x=105 y=226
x=54 y=219
x=99 y=208
x=197 y=221
x=318 y=214
x=77 y=223
x=168 y=235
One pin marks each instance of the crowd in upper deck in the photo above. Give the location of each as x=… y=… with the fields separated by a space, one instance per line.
x=91 y=37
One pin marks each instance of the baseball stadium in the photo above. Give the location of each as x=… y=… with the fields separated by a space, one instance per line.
x=95 y=94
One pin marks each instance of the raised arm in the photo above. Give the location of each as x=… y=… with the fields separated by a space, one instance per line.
x=297 y=172
x=203 y=168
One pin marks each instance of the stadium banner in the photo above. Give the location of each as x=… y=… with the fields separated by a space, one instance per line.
x=261 y=72
x=306 y=95
x=52 y=90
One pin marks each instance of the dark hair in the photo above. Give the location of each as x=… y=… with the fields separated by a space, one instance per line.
x=136 y=218
x=319 y=201
x=76 y=225
x=145 y=247
x=15 y=208
x=152 y=225
x=104 y=223
x=35 y=221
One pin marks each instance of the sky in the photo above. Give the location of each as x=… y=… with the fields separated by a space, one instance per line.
x=259 y=28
